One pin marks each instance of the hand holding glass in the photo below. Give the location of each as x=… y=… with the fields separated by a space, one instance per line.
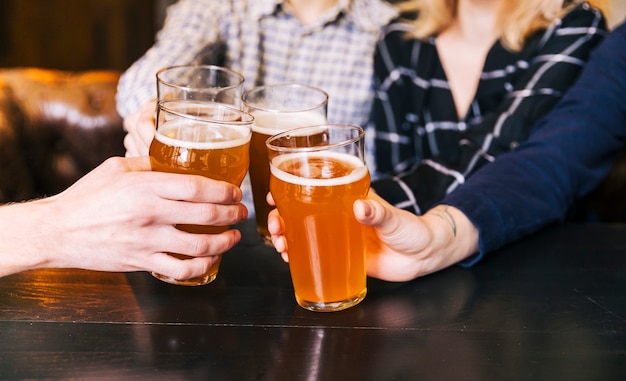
x=203 y=138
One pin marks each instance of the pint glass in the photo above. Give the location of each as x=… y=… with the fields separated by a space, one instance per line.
x=316 y=175
x=277 y=108
x=200 y=82
x=202 y=138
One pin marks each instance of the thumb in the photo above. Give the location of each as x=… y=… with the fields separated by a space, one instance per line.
x=378 y=214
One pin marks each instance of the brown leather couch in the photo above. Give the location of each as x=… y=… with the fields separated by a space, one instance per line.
x=55 y=126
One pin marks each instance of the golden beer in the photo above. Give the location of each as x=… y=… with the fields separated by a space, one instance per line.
x=218 y=150
x=314 y=193
x=265 y=125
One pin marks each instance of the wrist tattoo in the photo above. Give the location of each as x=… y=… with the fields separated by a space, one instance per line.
x=443 y=213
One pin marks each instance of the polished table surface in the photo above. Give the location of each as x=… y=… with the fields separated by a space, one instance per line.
x=550 y=307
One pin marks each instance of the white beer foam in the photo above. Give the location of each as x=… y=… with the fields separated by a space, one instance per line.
x=198 y=135
x=271 y=123
x=359 y=171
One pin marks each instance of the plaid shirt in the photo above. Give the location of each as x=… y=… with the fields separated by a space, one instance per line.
x=423 y=150
x=265 y=42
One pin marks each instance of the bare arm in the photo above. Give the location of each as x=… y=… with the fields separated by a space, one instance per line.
x=122 y=217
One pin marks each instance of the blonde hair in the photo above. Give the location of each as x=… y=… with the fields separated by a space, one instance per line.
x=518 y=19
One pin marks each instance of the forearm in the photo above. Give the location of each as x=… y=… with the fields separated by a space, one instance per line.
x=27 y=236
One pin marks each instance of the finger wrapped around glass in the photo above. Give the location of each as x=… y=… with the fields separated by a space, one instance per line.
x=316 y=175
x=277 y=108
x=202 y=138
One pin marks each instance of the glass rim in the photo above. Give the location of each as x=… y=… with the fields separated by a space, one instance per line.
x=162 y=105
x=200 y=89
x=298 y=131
x=285 y=85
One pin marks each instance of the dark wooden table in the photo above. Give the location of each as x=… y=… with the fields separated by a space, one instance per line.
x=551 y=307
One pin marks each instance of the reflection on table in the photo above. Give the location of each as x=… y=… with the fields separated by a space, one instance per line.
x=548 y=307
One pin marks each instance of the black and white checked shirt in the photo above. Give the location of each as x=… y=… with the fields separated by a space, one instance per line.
x=423 y=150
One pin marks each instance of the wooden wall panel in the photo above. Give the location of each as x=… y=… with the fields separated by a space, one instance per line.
x=75 y=34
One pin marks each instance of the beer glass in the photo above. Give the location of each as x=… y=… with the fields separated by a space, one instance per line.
x=203 y=138
x=316 y=175
x=277 y=108
x=200 y=82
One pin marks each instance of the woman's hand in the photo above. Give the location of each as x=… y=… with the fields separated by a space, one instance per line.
x=399 y=245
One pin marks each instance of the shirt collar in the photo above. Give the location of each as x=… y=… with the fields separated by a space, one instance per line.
x=367 y=15
x=370 y=15
x=262 y=8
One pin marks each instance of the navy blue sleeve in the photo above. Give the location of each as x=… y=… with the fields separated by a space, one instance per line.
x=567 y=154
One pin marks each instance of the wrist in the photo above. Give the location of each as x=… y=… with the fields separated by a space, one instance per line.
x=454 y=237
x=26 y=236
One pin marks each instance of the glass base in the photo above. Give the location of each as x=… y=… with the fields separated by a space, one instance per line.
x=332 y=306
x=197 y=281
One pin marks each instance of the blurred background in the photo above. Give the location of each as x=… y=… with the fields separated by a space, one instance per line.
x=77 y=34
x=96 y=34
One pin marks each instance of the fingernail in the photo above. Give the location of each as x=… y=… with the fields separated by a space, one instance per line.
x=367 y=209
